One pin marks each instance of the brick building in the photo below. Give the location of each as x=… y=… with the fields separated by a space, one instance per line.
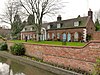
x=75 y=29
x=5 y=32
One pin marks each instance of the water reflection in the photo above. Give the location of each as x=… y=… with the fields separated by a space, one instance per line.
x=5 y=70
x=11 y=67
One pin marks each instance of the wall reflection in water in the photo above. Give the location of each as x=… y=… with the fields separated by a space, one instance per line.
x=13 y=67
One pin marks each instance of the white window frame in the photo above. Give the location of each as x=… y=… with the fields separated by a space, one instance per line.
x=58 y=25
x=48 y=27
x=76 y=36
x=76 y=23
x=31 y=29
x=53 y=35
x=48 y=36
x=58 y=35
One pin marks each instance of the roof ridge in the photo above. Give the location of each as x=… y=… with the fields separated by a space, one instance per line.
x=66 y=20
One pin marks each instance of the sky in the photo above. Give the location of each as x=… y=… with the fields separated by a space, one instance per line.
x=78 y=7
x=72 y=8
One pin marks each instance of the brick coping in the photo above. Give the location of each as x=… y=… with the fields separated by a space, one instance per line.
x=75 y=47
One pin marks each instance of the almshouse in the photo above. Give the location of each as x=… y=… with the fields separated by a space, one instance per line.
x=75 y=29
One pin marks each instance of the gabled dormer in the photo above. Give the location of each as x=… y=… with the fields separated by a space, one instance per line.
x=59 y=25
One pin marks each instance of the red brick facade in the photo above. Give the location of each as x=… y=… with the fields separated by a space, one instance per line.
x=75 y=29
x=96 y=35
x=71 y=31
x=76 y=57
x=89 y=26
x=90 y=29
x=31 y=35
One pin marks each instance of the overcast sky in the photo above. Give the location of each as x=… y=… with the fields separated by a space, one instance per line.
x=78 y=7
x=71 y=10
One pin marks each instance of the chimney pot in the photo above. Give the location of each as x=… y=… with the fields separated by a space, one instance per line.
x=59 y=18
x=90 y=13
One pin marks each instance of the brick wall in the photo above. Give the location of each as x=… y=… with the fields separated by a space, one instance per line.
x=4 y=32
x=76 y=57
x=71 y=31
x=96 y=35
x=90 y=27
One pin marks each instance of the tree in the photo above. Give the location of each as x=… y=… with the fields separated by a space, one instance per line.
x=39 y=8
x=17 y=25
x=30 y=20
x=12 y=8
x=97 y=15
x=97 y=25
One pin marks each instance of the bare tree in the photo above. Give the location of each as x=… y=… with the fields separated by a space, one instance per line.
x=12 y=8
x=97 y=15
x=39 y=8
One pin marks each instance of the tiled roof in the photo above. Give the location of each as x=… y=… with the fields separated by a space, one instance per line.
x=28 y=28
x=69 y=23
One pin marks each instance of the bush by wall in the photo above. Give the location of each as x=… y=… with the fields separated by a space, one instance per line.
x=97 y=67
x=4 y=39
x=3 y=46
x=18 y=49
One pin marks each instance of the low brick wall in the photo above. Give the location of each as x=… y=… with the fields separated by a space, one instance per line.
x=76 y=57
x=96 y=35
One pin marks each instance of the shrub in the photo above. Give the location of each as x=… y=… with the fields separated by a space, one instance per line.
x=88 y=37
x=97 y=67
x=17 y=49
x=4 y=39
x=3 y=46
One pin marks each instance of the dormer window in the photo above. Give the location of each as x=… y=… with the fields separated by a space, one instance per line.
x=51 y=26
x=25 y=29
x=76 y=23
x=80 y=22
x=48 y=27
x=58 y=25
x=61 y=25
x=33 y=28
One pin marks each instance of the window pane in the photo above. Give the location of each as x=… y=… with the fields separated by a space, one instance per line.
x=76 y=23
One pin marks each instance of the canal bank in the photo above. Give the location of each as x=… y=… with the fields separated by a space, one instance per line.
x=43 y=66
x=76 y=58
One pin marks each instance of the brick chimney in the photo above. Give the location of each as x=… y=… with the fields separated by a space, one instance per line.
x=90 y=13
x=59 y=18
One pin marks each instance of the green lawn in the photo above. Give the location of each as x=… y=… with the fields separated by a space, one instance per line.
x=50 y=42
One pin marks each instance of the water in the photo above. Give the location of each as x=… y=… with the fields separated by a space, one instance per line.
x=11 y=67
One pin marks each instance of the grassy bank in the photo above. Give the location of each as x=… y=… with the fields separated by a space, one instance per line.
x=59 y=43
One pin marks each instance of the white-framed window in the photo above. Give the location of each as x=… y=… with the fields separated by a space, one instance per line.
x=31 y=29
x=48 y=27
x=68 y=37
x=76 y=36
x=64 y=36
x=48 y=36
x=58 y=35
x=76 y=23
x=84 y=34
x=53 y=35
x=58 y=25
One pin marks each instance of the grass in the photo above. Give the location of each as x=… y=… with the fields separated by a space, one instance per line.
x=58 y=43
